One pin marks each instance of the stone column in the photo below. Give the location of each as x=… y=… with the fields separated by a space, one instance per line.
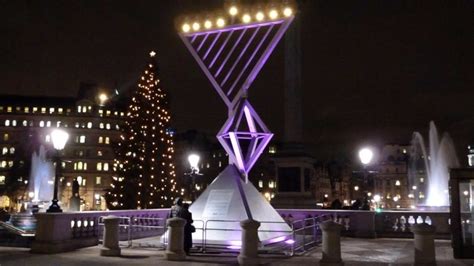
x=424 y=244
x=249 y=249
x=331 y=243
x=111 y=236
x=175 y=248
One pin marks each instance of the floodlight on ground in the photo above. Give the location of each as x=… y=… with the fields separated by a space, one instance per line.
x=365 y=155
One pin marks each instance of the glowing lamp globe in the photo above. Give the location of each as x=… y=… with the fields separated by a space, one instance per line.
x=246 y=18
x=287 y=12
x=193 y=160
x=376 y=198
x=273 y=14
x=186 y=27
x=59 y=138
x=260 y=16
x=233 y=11
x=366 y=155
x=207 y=24
x=196 y=26
x=220 y=22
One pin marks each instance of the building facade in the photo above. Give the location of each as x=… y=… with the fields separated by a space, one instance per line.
x=93 y=125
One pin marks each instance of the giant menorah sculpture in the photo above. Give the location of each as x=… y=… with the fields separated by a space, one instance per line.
x=231 y=52
x=231 y=56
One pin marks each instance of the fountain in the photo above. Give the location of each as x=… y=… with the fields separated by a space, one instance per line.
x=434 y=164
x=40 y=193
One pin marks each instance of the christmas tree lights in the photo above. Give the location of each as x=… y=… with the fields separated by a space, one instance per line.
x=145 y=172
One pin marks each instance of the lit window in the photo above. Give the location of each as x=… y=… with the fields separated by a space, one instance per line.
x=220 y=164
x=58 y=123
x=5 y=150
x=48 y=123
x=98 y=180
x=79 y=109
x=14 y=123
x=51 y=110
x=89 y=124
x=99 y=153
x=107 y=140
x=84 y=109
x=271 y=184
x=107 y=126
x=272 y=149
x=117 y=127
x=3 y=164
x=101 y=140
x=41 y=124
x=121 y=114
x=85 y=166
x=60 y=110
x=27 y=109
x=260 y=183
x=108 y=112
x=99 y=166
x=89 y=108
x=25 y=123
x=101 y=112
x=82 y=139
x=43 y=110
x=12 y=150
x=35 y=109
x=101 y=125
x=397 y=183
x=47 y=138
x=2 y=180
x=9 y=109
x=7 y=123
x=422 y=180
x=106 y=166
x=5 y=136
x=77 y=125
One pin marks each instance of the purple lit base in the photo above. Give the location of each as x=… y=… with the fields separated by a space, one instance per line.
x=432 y=208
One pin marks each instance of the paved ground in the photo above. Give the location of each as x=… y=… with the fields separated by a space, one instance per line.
x=354 y=252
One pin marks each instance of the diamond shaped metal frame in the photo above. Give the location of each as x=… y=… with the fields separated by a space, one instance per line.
x=231 y=57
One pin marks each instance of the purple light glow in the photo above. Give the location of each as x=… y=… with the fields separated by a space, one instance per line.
x=234 y=247
x=290 y=241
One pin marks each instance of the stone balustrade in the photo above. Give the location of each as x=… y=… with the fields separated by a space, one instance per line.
x=371 y=224
x=59 y=232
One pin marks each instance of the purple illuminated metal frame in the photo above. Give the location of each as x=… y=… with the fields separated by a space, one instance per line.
x=231 y=137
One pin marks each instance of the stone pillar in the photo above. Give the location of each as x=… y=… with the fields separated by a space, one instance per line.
x=424 y=244
x=331 y=243
x=111 y=236
x=249 y=249
x=175 y=248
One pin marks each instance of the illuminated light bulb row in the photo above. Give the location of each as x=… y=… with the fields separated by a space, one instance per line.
x=233 y=11
x=220 y=22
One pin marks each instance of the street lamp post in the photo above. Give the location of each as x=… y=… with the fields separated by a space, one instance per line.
x=365 y=155
x=59 y=138
x=193 y=160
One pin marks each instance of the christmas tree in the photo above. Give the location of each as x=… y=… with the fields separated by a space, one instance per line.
x=145 y=172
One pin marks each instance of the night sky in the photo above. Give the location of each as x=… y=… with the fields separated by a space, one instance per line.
x=373 y=71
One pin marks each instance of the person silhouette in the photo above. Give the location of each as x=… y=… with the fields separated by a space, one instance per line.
x=189 y=229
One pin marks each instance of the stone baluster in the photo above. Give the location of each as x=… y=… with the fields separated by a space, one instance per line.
x=175 y=248
x=331 y=243
x=403 y=222
x=395 y=225
x=111 y=237
x=249 y=249
x=424 y=244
